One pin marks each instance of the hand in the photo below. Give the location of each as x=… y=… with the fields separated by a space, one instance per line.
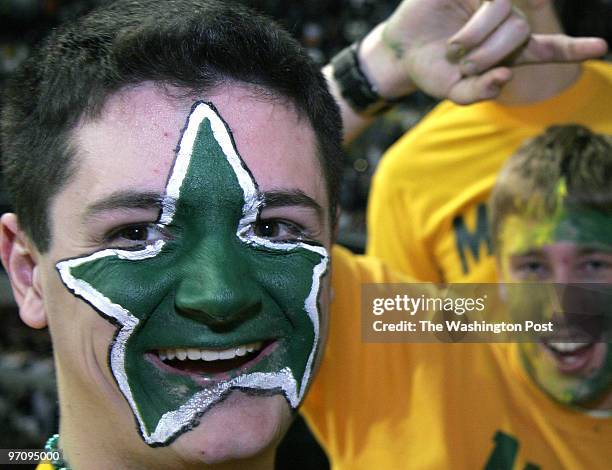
x=462 y=49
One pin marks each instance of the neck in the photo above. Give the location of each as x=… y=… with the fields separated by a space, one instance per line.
x=532 y=83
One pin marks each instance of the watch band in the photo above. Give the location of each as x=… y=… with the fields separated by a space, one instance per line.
x=355 y=87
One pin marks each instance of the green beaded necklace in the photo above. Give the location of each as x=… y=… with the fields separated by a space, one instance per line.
x=51 y=446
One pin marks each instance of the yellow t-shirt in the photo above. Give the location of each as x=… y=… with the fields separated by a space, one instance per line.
x=436 y=406
x=427 y=214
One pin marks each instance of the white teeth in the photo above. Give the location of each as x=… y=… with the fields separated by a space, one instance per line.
x=227 y=354
x=210 y=355
x=195 y=354
x=566 y=347
x=181 y=354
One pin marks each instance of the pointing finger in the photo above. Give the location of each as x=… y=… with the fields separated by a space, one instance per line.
x=560 y=48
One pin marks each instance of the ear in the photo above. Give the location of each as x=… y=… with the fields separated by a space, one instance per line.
x=20 y=260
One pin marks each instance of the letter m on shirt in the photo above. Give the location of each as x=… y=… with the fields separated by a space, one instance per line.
x=470 y=241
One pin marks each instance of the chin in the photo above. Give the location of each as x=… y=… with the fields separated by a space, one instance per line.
x=241 y=427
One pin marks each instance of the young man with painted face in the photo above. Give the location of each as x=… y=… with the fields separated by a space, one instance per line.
x=173 y=167
x=497 y=406
x=552 y=222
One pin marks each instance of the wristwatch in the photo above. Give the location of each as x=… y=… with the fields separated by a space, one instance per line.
x=355 y=88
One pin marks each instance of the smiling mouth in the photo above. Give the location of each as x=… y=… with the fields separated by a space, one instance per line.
x=574 y=345
x=571 y=357
x=212 y=362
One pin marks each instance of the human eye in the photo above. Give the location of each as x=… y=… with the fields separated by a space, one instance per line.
x=596 y=264
x=597 y=267
x=278 y=230
x=135 y=235
x=529 y=269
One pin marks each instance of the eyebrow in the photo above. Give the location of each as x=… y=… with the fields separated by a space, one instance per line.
x=124 y=200
x=530 y=252
x=152 y=200
x=294 y=197
x=595 y=248
x=582 y=250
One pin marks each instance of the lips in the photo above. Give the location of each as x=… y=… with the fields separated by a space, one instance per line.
x=577 y=347
x=575 y=357
x=215 y=364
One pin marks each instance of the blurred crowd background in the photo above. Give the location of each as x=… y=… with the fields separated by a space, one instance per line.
x=28 y=411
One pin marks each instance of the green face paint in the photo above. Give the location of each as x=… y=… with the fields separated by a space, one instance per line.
x=532 y=229
x=585 y=227
x=581 y=226
x=570 y=389
x=556 y=244
x=210 y=284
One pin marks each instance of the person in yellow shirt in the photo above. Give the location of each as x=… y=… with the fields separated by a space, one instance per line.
x=427 y=212
x=526 y=406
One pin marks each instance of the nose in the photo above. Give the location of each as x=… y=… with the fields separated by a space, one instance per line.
x=217 y=290
x=562 y=274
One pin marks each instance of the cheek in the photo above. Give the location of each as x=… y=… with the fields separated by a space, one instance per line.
x=81 y=337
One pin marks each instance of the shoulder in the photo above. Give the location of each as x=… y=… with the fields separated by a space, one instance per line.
x=351 y=270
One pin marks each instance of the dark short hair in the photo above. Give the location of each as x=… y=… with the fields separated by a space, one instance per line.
x=528 y=184
x=191 y=44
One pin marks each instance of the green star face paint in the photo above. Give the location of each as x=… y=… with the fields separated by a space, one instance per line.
x=207 y=285
x=572 y=248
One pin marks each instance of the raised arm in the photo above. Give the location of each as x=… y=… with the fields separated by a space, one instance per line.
x=456 y=49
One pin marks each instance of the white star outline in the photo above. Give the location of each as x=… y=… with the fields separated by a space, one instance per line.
x=172 y=423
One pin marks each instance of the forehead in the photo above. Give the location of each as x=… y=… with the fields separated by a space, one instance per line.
x=132 y=143
x=570 y=228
